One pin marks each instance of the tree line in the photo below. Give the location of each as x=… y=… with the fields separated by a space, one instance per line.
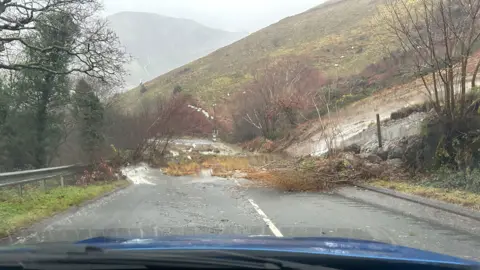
x=60 y=63
x=53 y=54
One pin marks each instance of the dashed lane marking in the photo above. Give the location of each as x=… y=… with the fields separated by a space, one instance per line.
x=264 y=216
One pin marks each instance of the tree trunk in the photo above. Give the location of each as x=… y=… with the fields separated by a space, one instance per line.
x=463 y=86
x=474 y=78
x=291 y=116
x=451 y=84
x=40 y=152
x=41 y=125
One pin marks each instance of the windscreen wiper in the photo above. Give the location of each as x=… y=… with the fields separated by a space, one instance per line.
x=97 y=258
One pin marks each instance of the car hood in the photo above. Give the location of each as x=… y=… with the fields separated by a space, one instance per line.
x=321 y=246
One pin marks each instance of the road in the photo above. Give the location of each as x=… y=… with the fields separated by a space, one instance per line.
x=156 y=204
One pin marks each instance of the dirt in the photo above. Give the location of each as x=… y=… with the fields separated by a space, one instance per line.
x=356 y=118
x=190 y=147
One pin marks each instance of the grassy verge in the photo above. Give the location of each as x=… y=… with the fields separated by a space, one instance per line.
x=463 y=198
x=17 y=212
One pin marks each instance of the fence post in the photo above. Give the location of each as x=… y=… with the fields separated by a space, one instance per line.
x=62 y=183
x=44 y=181
x=20 y=190
x=379 y=131
x=74 y=178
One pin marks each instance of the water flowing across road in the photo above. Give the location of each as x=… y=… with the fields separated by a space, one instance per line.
x=158 y=205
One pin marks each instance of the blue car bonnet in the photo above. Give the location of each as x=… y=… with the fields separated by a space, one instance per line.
x=321 y=246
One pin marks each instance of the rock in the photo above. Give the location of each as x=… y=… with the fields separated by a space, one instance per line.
x=355 y=148
x=412 y=150
x=369 y=147
x=395 y=163
x=350 y=158
x=374 y=169
x=396 y=152
x=371 y=158
x=382 y=153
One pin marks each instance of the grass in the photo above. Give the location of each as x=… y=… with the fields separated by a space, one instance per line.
x=221 y=166
x=227 y=166
x=463 y=198
x=181 y=169
x=18 y=212
x=288 y=181
x=342 y=33
x=284 y=174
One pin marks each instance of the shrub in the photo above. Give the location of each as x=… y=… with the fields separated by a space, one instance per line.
x=455 y=179
x=317 y=174
x=120 y=157
x=100 y=172
x=407 y=111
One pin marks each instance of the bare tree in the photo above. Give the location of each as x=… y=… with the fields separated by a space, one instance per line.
x=328 y=120
x=150 y=130
x=95 y=50
x=279 y=91
x=441 y=35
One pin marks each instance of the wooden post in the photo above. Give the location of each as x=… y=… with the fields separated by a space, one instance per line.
x=379 y=131
x=62 y=183
x=44 y=185
x=20 y=190
x=74 y=179
x=214 y=123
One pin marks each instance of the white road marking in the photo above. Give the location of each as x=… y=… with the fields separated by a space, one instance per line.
x=265 y=218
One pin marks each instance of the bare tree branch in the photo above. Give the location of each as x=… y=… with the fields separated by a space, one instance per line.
x=95 y=51
x=440 y=34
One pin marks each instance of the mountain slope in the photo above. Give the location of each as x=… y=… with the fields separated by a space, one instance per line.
x=340 y=36
x=160 y=44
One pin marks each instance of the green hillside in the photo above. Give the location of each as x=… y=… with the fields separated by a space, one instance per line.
x=340 y=36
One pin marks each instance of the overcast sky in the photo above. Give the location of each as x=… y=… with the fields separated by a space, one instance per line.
x=232 y=15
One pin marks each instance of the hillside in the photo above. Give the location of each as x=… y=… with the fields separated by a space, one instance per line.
x=160 y=44
x=340 y=36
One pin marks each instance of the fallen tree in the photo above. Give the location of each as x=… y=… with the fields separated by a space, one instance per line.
x=147 y=134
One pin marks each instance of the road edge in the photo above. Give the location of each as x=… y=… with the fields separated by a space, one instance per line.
x=85 y=203
x=440 y=205
x=13 y=238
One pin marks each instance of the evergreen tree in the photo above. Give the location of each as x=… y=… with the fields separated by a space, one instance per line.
x=44 y=95
x=88 y=111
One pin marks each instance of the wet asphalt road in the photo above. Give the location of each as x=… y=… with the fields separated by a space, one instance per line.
x=158 y=205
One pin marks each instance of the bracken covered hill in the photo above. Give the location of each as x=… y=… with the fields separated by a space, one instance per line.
x=341 y=38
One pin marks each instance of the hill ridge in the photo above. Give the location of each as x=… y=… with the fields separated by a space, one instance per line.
x=161 y=43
